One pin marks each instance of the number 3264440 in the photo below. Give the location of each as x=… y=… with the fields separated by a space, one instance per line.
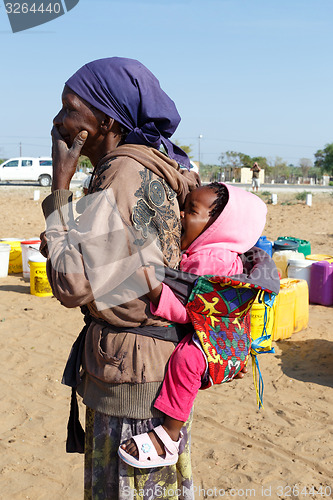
x=35 y=8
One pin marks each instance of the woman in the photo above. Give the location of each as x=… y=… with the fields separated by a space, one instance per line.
x=115 y=112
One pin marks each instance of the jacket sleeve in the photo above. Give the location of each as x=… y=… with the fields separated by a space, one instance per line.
x=170 y=307
x=95 y=257
x=65 y=267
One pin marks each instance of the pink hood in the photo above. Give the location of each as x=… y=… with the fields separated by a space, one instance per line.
x=236 y=230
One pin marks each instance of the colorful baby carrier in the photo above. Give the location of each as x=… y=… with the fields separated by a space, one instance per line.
x=219 y=308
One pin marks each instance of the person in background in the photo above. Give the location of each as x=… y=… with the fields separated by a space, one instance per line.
x=255 y=176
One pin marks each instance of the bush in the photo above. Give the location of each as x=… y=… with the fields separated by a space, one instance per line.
x=302 y=196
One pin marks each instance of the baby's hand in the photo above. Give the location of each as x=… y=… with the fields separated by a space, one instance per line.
x=241 y=372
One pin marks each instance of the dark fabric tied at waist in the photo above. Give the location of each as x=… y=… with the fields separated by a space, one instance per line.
x=72 y=377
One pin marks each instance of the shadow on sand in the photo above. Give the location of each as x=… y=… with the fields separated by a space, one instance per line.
x=308 y=360
x=15 y=288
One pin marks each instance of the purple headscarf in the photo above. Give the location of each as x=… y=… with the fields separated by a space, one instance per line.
x=127 y=91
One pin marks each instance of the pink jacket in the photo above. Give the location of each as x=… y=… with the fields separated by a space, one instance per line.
x=216 y=251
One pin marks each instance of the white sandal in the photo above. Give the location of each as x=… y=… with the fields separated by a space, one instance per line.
x=148 y=457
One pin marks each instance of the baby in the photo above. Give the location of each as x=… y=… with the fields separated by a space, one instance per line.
x=219 y=222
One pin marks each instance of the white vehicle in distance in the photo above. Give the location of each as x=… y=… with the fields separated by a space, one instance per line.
x=27 y=169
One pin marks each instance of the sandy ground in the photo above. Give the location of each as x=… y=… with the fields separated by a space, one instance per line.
x=238 y=452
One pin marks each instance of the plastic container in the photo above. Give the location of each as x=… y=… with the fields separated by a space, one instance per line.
x=301 y=317
x=300 y=269
x=291 y=308
x=39 y=283
x=281 y=259
x=304 y=246
x=4 y=260
x=30 y=248
x=283 y=244
x=257 y=322
x=318 y=257
x=15 y=256
x=321 y=290
x=265 y=244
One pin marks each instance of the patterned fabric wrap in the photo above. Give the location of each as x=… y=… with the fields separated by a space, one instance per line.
x=219 y=308
x=108 y=477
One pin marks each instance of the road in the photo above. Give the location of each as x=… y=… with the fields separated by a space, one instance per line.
x=288 y=188
x=272 y=188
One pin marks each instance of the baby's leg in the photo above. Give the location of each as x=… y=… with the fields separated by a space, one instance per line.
x=182 y=381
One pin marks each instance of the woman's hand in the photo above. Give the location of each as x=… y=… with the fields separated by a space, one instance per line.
x=64 y=159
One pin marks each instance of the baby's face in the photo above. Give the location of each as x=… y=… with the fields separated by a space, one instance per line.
x=195 y=217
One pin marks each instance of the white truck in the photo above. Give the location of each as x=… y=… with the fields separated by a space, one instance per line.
x=27 y=169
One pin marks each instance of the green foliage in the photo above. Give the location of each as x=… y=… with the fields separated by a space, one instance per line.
x=281 y=170
x=233 y=159
x=278 y=170
x=302 y=196
x=305 y=165
x=262 y=162
x=187 y=149
x=324 y=159
x=209 y=173
x=289 y=202
x=315 y=172
x=85 y=164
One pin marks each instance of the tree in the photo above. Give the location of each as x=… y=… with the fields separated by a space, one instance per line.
x=305 y=165
x=280 y=169
x=232 y=159
x=85 y=164
x=209 y=173
x=187 y=149
x=324 y=159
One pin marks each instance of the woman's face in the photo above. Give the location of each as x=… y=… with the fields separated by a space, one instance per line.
x=77 y=115
x=195 y=217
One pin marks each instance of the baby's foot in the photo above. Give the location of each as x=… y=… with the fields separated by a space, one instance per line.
x=131 y=448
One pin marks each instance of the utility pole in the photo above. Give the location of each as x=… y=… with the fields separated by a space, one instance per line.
x=199 y=144
x=20 y=148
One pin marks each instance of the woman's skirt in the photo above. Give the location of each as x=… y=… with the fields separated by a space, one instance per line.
x=107 y=477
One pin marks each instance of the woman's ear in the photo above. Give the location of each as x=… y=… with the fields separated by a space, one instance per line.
x=109 y=125
x=106 y=125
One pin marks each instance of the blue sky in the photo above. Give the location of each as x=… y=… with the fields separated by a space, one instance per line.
x=253 y=76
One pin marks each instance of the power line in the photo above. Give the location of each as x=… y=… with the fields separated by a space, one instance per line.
x=24 y=137
x=23 y=144
x=251 y=142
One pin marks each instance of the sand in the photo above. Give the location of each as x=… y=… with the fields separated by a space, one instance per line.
x=284 y=451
